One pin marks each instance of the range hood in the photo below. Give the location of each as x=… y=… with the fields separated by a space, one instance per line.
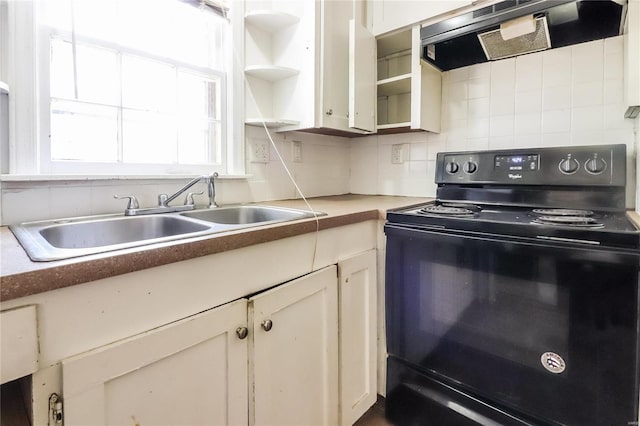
x=514 y=27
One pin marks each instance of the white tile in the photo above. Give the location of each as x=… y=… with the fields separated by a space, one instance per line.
x=456 y=143
x=458 y=74
x=556 y=67
x=503 y=77
x=587 y=93
x=478 y=144
x=614 y=117
x=479 y=87
x=613 y=45
x=555 y=121
x=479 y=70
x=437 y=143
x=528 y=141
x=501 y=125
x=528 y=124
x=458 y=91
x=457 y=110
x=529 y=72
x=613 y=92
x=501 y=142
x=478 y=128
x=591 y=137
x=24 y=205
x=624 y=136
x=556 y=139
x=502 y=105
x=587 y=118
x=587 y=61
x=528 y=102
x=556 y=97
x=614 y=66
x=478 y=108
x=417 y=169
x=417 y=151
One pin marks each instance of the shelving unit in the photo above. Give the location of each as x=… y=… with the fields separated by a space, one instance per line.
x=408 y=89
x=275 y=61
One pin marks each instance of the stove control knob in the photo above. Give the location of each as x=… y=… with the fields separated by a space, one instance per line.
x=470 y=167
x=569 y=166
x=595 y=166
x=452 y=167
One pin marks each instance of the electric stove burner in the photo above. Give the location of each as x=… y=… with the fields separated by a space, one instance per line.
x=563 y=212
x=446 y=211
x=573 y=221
x=467 y=206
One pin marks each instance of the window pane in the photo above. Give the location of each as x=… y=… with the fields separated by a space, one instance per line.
x=61 y=77
x=148 y=137
x=83 y=132
x=198 y=140
x=197 y=96
x=148 y=85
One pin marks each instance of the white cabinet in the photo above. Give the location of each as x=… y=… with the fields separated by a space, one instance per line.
x=297 y=65
x=632 y=58
x=193 y=371
x=389 y=15
x=18 y=343
x=409 y=89
x=294 y=356
x=357 y=290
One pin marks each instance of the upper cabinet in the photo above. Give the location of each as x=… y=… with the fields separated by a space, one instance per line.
x=632 y=59
x=297 y=65
x=408 y=88
x=389 y=15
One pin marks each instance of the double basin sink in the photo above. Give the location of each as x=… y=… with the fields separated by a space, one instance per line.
x=66 y=238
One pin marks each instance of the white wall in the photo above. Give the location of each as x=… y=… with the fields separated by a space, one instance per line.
x=324 y=170
x=566 y=96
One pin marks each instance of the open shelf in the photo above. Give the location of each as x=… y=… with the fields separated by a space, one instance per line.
x=395 y=85
x=270 y=20
x=270 y=72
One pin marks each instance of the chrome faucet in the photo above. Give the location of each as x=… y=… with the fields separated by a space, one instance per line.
x=133 y=207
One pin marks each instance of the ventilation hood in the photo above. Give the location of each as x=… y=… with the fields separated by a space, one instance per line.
x=515 y=27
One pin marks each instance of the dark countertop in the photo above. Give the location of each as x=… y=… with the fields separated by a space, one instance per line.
x=19 y=276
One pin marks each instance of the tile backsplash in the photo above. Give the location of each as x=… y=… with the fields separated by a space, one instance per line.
x=566 y=96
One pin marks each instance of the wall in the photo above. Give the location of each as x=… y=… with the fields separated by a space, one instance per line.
x=566 y=96
x=324 y=170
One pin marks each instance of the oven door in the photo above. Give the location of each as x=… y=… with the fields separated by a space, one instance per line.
x=547 y=331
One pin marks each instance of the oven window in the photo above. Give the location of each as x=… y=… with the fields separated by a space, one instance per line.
x=542 y=329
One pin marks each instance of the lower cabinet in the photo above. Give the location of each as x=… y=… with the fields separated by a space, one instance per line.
x=191 y=372
x=301 y=353
x=294 y=357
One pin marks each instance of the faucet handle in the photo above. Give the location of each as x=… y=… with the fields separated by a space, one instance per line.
x=133 y=201
x=188 y=201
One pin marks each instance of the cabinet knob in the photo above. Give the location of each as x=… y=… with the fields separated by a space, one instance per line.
x=242 y=332
x=329 y=112
x=267 y=325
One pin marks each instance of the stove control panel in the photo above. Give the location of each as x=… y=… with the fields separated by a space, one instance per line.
x=582 y=165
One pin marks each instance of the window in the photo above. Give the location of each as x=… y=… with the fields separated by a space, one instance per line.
x=132 y=86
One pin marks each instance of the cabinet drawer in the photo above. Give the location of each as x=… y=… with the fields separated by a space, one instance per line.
x=18 y=343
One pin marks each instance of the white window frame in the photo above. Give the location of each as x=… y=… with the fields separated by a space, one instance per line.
x=29 y=105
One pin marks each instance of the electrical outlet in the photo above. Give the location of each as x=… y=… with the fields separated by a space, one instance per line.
x=259 y=151
x=296 y=151
x=397 y=153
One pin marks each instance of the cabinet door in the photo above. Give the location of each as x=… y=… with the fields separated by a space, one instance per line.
x=294 y=357
x=193 y=372
x=362 y=78
x=358 y=342
x=389 y=15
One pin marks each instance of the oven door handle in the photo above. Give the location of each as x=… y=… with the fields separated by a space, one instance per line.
x=567 y=249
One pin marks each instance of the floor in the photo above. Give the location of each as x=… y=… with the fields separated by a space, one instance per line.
x=375 y=415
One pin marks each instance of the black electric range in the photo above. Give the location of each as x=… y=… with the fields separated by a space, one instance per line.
x=513 y=297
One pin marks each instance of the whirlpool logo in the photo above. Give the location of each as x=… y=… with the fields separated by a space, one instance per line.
x=514 y=176
x=553 y=362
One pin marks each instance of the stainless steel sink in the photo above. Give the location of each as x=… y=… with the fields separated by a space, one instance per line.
x=62 y=239
x=249 y=215
x=67 y=238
